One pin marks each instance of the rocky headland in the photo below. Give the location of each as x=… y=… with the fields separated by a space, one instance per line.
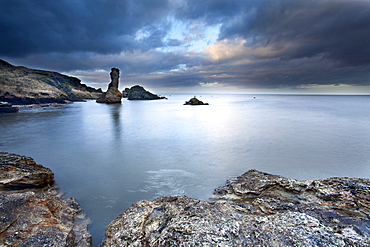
x=32 y=212
x=255 y=209
x=20 y=85
x=195 y=101
x=139 y=93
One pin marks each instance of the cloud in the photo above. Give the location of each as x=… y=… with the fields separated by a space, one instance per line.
x=209 y=84
x=336 y=28
x=104 y=27
x=233 y=49
x=181 y=43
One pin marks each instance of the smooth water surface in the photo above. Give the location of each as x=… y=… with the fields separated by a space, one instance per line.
x=110 y=156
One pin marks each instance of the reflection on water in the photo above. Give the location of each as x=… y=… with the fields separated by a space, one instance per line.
x=116 y=121
x=111 y=156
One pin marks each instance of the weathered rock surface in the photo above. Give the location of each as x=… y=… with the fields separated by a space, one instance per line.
x=20 y=172
x=139 y=93
x=256 y=209
x=7 y=107
x=113 y=95
x=195 y=101
x=32 y=212
x=20 y=85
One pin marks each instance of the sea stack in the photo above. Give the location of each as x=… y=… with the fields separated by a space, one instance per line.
x=113 y=95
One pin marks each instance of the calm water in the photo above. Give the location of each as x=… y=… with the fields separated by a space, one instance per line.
x=110 y=156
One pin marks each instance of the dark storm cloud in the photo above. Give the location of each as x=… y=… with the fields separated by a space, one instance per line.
x=102 y=26
x=337 y=29
x=258 y=43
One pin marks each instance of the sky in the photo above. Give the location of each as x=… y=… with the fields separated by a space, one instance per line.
x=195 y=46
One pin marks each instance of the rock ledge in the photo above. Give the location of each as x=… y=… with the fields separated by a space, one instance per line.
x=255 y=209
x=32 y=212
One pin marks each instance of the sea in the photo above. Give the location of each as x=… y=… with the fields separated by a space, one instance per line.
x=111 y=156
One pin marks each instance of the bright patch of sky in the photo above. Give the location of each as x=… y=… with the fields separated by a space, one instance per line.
x=180 y=67
x=192 y=36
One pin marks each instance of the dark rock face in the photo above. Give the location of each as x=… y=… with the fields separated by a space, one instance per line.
x=114 y=76
x=139 y=93
x=31 y=212
x=21 y=86
x=125 y=92
x=195 y=101
x=113 y=95
x=7 y=107
x=256 y=209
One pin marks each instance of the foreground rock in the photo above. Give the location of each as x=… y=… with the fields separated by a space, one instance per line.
x=195 y=101
x=256 y=209
x=139 y=93
x=20 y=172
x=31 y=212
x=7 y=107
x=113 y=95
x=22 y=86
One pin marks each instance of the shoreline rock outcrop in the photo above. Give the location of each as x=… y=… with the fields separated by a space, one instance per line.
x=255 y=209
x=113 y=95
x=7 y=107
x=195 y=101
x=32 y=212
x=139 y=93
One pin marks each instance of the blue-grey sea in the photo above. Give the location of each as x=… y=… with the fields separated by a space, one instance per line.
x=110 y=156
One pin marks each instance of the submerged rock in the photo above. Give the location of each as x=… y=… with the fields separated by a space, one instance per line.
x=195 y=101
x=113 y=95
x=139 y=93
x=7 y=107
x=32 y=212
x=256 y=209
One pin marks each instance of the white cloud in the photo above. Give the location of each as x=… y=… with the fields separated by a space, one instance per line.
x=238 y=48
x=209 y=84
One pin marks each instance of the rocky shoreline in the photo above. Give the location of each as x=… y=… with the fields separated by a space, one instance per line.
x=254 y=209
x=32 y=212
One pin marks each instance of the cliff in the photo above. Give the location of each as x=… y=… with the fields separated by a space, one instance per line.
x=20 y=85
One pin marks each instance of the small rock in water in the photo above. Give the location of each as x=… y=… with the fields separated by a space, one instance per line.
x=195 y=101
x=139 y=93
